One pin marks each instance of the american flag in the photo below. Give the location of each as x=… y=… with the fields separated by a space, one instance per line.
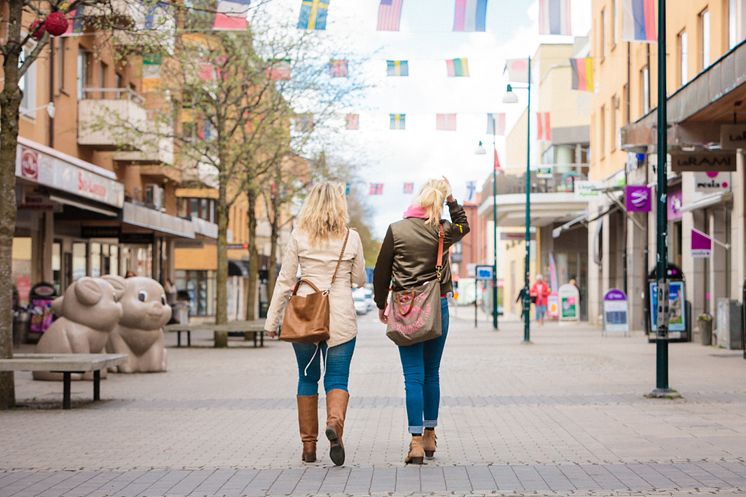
x=338 y=68
x=231 y=15
x=389 y=15
x=376 y=189
x=543 y=126
x=352 y=121
x=408 y=188
x=445 y=122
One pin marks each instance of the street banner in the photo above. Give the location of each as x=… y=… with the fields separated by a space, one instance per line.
x=701 y=245
x=675 y=202
x=637 y=198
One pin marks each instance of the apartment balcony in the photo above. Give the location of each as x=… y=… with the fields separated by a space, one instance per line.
x=111 y=119
x=156 y=149
x=553 y=196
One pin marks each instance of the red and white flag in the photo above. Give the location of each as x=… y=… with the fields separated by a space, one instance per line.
x=543 y=126
x=230 y=15
x=445 y=122
x=376 y=189
x=517 y=70
x=352 y=122
x=408 y=188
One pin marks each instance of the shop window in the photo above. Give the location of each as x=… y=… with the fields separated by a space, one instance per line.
x=95 y=258
x=200 y=286
x=113 y=260
x=21 y=268
x=80 y=260
x=57 y=267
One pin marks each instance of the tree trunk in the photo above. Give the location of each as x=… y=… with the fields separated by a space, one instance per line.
x=274 y=241
x=10 y=101
x=251 y=291
x=221 y=294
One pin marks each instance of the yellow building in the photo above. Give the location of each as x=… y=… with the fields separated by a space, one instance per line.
x=558 y=162
x=704 y=41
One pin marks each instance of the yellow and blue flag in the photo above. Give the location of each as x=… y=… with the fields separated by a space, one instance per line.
x=313 y=15
x=397 y=68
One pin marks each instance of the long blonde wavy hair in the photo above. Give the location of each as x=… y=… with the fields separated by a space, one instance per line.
x=431 y=197
x=324 y=212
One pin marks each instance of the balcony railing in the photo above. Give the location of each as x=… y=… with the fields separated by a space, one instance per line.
x=561 y=180
x=109 y=118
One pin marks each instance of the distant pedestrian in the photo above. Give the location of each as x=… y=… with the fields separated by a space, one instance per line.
x=408 y=259
x=320 y=240
x=540 y=292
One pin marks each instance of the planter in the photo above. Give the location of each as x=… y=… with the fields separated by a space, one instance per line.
x=705 y=331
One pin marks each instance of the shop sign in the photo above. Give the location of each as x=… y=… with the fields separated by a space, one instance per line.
x=48 y=170
x=676 y=306
x=545 y=171
x=569 y=302
x=615 y=311
x=703 y=161
x=732 y=136
x=675 y=202
x=701 y=246
x=712 y=182
x=637 y=198
x=36 y=201
x=587 y=189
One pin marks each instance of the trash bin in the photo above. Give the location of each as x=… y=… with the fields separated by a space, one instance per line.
x=704 y=321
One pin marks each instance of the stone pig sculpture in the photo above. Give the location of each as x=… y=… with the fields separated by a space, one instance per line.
x=89 y=311
x=139 y=333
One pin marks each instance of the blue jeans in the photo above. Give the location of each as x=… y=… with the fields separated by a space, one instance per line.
x=337 y=373
x=421 y=366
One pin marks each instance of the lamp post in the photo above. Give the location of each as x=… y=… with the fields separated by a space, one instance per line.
x=512 y=98
x=482 y=151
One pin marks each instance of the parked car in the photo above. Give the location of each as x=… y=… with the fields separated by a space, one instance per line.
x=360 y=299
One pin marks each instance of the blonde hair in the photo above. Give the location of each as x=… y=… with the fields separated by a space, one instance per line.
x=324 y=212
x=431 y=198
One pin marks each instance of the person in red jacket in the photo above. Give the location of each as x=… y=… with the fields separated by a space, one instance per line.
x=540 y=296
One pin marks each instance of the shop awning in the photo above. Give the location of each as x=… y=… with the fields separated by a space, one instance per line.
x=83 y=205
x=583 y=220
x=145 y=217
x=238 y=268
x=707 y=201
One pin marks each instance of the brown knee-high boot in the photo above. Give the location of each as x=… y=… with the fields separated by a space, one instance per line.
x=308 y=422
x=336 y=409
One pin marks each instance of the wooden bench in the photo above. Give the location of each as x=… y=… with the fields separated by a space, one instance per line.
x=247 y=329
x=67 y=364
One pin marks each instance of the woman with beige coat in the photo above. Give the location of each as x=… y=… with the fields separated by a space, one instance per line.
x=312 y=254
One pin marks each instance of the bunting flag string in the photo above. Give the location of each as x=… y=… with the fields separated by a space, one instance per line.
x=338 y=68
x=408 y=188
x=639 y=21
x=397 y=121
x=555 y=17
x=313 y=14
x=582 y=74
x=352 y=122
x=231 y=15
x=397 y=68
x=458 y=68
x=543 y=126
x=389 y=15
x=496 y=123
x=470 y=15
x=445 y=122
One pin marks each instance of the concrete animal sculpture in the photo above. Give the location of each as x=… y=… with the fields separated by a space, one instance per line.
x=139 y=333
x=89 y=311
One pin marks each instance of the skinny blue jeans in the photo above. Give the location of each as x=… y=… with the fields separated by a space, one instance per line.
x=337 y=374
x=421 y=366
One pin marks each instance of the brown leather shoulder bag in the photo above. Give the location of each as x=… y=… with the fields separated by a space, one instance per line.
x=307 y=317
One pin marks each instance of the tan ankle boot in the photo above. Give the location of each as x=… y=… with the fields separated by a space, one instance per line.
x=308 y=422
x=416 y=453
x=429 y=442
x=336 y=410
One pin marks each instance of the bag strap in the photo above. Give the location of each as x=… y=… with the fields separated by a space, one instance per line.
x=439 y=261
x=300 y=282
x=341 y=254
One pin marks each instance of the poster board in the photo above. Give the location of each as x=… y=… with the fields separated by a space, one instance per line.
x=677 y=306
x=569 y=302
x=616 y=312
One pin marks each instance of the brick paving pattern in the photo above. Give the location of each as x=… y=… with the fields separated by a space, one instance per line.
x=564 y=416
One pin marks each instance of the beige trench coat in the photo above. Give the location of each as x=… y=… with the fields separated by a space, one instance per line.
x=316 y=264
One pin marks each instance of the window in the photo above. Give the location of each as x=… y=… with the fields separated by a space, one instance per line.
x=197 y=208
x=80 y=261
x=612 y=122
x=704 y=39
x=602 y=33
x=613 y=25
x=57 y=266
x=625 y=104
x=602 y=131
x=645 y=85
x=736 y=22
x=27 y=84
x=200 y=286
x=82 y=73
x=120 y=81
x=61 y=52
x=102 y=77
x=682 y=42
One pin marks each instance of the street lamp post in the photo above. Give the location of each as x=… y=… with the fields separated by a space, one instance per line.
x=511 y=98
x=482 y=151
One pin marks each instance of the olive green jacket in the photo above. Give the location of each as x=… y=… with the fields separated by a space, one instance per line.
x=409 y=252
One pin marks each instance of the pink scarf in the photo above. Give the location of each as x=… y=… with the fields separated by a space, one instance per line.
x=416 y=212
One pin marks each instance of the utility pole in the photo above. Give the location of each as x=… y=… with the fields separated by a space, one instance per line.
x=527 y=262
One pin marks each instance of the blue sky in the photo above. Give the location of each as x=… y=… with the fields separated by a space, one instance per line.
x=426 y=40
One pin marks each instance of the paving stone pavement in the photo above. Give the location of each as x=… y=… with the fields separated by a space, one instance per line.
x=563 y=416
